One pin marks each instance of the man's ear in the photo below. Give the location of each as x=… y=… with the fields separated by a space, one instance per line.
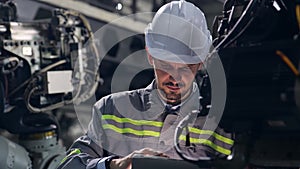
x=150 y=58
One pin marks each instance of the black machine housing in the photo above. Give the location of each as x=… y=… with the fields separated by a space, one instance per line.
x=259 y=46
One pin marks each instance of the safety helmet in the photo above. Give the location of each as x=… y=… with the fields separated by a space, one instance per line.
x=178 y=33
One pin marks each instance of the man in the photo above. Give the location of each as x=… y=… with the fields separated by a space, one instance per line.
x=143 y=121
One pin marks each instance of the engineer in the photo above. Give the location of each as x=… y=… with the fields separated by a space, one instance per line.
x=143 y=121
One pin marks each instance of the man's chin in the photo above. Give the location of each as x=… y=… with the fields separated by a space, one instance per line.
x=173 y=102
x=173 y=99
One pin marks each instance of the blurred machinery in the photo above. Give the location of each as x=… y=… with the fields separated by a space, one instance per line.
x=43 y=66
x=258 y=43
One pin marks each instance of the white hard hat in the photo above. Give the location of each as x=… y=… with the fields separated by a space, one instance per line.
x=178 y=33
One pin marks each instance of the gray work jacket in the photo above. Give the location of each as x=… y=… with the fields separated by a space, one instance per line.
x=132 y=120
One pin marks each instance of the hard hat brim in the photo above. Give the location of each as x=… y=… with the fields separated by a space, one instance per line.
x=168 y=56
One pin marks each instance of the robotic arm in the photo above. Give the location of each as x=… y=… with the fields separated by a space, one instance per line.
x=43 y=66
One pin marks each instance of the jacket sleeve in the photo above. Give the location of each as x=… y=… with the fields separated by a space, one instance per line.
x=86 y=152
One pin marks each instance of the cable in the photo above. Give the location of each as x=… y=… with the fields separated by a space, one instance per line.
x=44 y=109
x=75 y=99
x=87 y=25
x=6 y=87
x=12 y=61
x=298 y=15
x=239 y=33
x=238 y=28
x=288 y=62
x=39 y=72
x=2 y=100
x=95 y=74
x=80 y=95
x=179 y=128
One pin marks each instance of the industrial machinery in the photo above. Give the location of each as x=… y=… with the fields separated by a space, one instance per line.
x=258 y=43
x=44 y=65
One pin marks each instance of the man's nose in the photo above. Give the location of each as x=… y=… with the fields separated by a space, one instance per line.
x=175 y=75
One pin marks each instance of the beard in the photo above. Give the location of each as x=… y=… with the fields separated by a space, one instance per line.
x=172 y=97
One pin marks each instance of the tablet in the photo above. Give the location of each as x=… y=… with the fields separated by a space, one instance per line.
x=156 y=162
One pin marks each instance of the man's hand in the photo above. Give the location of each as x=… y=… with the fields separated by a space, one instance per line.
x=126 y=162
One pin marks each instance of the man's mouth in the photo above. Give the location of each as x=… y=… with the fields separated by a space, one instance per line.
x=173 y=86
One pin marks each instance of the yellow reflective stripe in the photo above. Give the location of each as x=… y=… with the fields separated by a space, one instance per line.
x=131 y=121
x=208 y=143
x=216 y=135
x=132 y=131
x=75 y=151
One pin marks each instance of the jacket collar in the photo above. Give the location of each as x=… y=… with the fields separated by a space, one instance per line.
x=155 y=103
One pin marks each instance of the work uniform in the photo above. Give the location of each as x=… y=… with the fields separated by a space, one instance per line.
x=128 y=121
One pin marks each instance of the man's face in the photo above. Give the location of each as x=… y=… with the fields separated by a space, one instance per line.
x=174 y=80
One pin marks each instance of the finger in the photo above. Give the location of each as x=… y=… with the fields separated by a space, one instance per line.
x=151 y=152
x=163 y=155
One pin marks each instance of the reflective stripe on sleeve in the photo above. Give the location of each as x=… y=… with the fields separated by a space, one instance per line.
x=208 y=143
x=131 y=131
x=216 y=135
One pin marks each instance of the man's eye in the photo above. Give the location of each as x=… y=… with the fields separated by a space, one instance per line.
x=185 y=69
x=165 y=66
